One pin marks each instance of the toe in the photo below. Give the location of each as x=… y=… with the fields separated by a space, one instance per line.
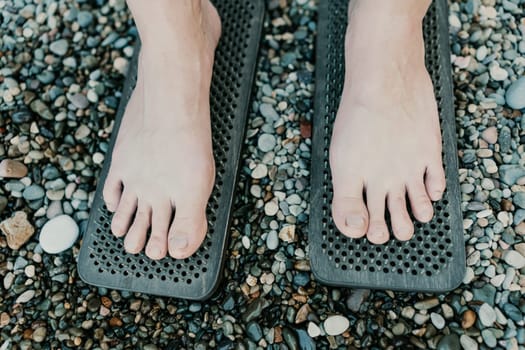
x=124 y=214
x=160 y=221
x=435 y=181
x=136 y=237
x=349 y=210
x=187 y=231
x=377 y=229
x=420 y=202
x=402 y=226
x=112 y=192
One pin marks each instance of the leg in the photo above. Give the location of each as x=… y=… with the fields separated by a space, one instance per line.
x=162 y=171
x=386 y=142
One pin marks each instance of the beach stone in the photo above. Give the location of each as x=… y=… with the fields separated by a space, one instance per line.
x=287 y=234
x=515 y=95
x=305 y=342
x=33 y=192
x=356 y=299
x=254 y=332
x=468 y=343
x=490 y=134
x=79 y=100
x=313 y=330
x=59 y=47
x=39 y=334
x=514 y=259
x=84 y=18
x=272 y=241
x=335 y=325
x=509 y=174
x=489 y=338
x=487 y=315
x=485 y=294
x=259 y=171
x=437 y=320
x=468 y=319
x=519 y=199
x=497 y=73
x=17 y=229
x=266 y=142
x=427 y=304
x=20 y=117
x=41 y=109
x=449 y=342
x=12 y=169
x=268 y=111
x=58 y=234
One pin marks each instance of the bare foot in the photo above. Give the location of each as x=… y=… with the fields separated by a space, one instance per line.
x=162 y=170
x=386 y=141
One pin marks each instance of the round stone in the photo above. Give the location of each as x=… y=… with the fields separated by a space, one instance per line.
x=515 y=95
x=33 y=192
x=58 y=234
x=266 y=142
x=335 y=325
x=59 y=47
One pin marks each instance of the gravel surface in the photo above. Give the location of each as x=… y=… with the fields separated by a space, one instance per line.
x=62 y=65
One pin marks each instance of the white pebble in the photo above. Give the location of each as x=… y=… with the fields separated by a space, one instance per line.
x=58 y=234
x=335 y=325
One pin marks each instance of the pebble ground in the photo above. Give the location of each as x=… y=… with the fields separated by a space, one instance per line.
x=62 y=65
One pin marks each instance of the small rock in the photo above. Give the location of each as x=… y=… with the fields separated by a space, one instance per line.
x=39 y=334
x=33 y=192
x=514 y=259
x=12 y=169
x=515 y=95
x=497 y=73
x=490 y=135
x=335 y=325
x=287 y=234
x=356 y=299
x=313 y=330
x=449 y=342
x=437 y=320
x=59 y=47
x=487 y=315
x=427 y=304
x=272 y=241
x=468 y=319
x=509 y=174
x=25 y=297
x=266 y=142
x=58 y=234
x=259 y=171
x=79 y=100
x=268 y=112
x=468 y=343
x=17 y=230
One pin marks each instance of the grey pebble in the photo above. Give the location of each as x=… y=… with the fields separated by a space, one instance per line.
x=515 y=95
x=59 y=47
x=509 y=174
x=266 y=142
x=33 y=192
x=268 y=111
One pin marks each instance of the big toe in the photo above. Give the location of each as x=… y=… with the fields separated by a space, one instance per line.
x=187 y=232
x=349 y=211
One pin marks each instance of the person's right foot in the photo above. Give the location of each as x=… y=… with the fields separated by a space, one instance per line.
x=386 y=142
x=162 y=170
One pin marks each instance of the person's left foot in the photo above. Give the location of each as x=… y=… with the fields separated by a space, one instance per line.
x=386 y=141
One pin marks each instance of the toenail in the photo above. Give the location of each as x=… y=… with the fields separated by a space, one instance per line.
x=355 y=221
x=179 y=242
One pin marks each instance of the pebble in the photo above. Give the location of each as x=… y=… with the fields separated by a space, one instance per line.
x=12 y=169
x=39 y=334
x=25 y=296
x=487 y=315
x=509 y=174
x=437 y=320
x=489 y=338
x=33 y=192
x=515 y=95
x=287 y=234
x=266 y=142
x=490 y=135
x=313 y=330
x=514 y=259
x=449 y=342
x=335 y=325
x=468 y=343
x=272 y=240
x=259 y=171
x=59 y=47
x=268 y=112
x=58 y=234
x=17 y=229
